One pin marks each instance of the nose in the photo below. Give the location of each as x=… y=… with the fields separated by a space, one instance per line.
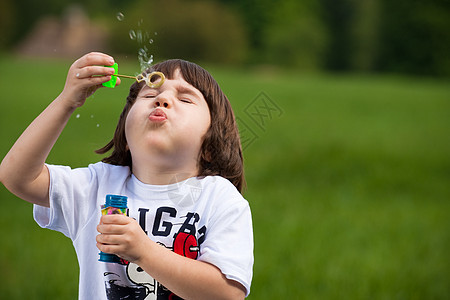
x=162 y=103
x=164 y=99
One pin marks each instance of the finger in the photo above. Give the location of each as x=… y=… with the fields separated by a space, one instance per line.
x=94 y=58
x=115 y=219
x=111 y=249
x=91 y=71
x=110 y=229
x=105 y=248
x=96 y=81
x=108 y=239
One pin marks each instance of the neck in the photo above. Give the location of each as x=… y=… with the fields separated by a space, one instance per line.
x=163 y=173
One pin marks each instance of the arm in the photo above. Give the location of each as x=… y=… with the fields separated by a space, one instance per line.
x=187 y=278
x=23 y=170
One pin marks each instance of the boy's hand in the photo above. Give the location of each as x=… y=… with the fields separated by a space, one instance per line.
x=85 y=76
x=122 y=236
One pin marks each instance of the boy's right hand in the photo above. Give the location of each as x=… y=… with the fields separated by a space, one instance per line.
x=85 y=76
x=23 y=169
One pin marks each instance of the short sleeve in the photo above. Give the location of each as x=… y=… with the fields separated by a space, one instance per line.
x=229 y=243
x=69 y=193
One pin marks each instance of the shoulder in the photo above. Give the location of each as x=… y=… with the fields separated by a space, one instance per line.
x=95 y=170
x=109 y=173
x=222 y=193
x=219 y=184
x=101 y=167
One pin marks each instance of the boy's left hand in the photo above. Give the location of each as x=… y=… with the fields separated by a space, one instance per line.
x=122 y=236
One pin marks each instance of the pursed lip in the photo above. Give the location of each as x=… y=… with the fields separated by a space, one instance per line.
x=158 y=115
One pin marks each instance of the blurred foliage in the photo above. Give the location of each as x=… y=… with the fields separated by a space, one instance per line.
x=404 y=36
x=337 y=16
x=365 y=35
x=297 y=36
x=381 y=35
x=196 y=30
x=7 y=21
x=415 y=36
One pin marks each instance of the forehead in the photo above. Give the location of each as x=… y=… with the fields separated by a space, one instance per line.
x=176 y=81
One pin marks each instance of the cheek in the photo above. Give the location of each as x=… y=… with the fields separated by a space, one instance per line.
x=206 y=125
x=203 y=119
x=129 y=124
x=206 y=121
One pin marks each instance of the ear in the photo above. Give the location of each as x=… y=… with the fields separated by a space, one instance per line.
x=207 y=156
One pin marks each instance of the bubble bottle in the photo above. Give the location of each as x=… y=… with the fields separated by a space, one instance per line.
x=115 y=204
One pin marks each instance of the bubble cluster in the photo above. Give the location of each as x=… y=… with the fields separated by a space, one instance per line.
x=145 y=59
x=142 y=38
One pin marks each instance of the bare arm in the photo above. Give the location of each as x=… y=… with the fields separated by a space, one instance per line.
x=187 y=278
x=23 y=170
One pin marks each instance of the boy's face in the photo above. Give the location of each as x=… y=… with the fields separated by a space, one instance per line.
x=167 y=122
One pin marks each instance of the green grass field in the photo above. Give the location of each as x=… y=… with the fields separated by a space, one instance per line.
x=348 y=179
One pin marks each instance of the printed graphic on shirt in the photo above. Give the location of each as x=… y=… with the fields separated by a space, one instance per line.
x=130 y=281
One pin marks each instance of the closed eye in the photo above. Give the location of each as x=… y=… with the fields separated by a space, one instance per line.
x=184 y=100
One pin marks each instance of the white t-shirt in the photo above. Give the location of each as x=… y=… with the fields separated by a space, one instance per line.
x=202 y=218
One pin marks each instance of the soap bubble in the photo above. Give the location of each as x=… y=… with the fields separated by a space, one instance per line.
x=151 y=41
x=77 y=116
x=132 y=34
x=120 y=16
x=142 y=52
x=98 y=125
x=139 y=36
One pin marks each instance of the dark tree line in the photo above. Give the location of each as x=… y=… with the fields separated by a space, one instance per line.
x=405 y=36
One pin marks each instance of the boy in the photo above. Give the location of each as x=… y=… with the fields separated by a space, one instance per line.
x=177 y=157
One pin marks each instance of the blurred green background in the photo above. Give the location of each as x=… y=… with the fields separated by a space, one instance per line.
x=401 y=36
x=344 y=113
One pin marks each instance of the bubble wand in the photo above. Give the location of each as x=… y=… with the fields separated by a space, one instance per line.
x=150 y=79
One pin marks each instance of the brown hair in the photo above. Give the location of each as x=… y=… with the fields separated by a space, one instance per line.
x=221 y=151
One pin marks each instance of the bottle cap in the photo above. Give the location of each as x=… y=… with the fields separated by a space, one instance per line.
x=116 y=201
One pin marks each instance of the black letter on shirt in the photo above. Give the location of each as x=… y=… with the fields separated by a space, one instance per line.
x=142 y=213
x=187 y=227
x=167 y=225
x=202 y=231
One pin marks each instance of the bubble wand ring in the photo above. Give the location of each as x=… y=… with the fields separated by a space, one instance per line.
x=150 y=79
